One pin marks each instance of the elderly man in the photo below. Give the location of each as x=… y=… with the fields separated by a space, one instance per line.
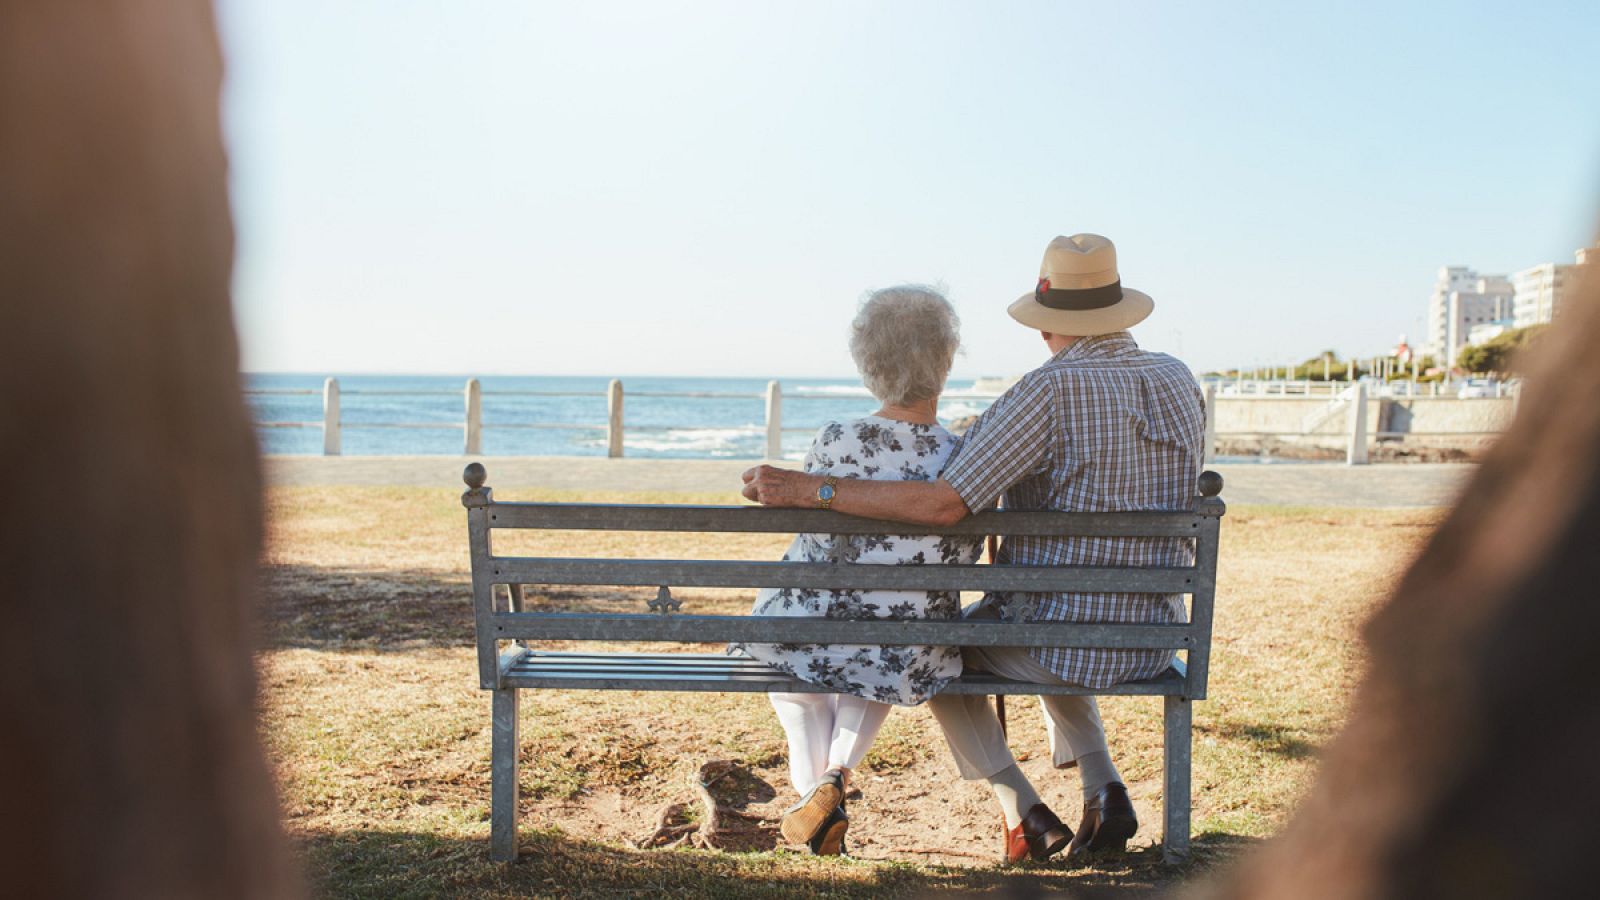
x=1102 y=426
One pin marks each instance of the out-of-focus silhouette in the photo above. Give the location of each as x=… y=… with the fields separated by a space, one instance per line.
x=130 y=522
x=130 y=518
x=1468 y=766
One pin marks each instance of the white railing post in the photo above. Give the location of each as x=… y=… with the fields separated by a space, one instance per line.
x=474 y=429
x=1357 y=454
x=330 y=417
x=774 y=420
x=614 y=419
x=1210 y=451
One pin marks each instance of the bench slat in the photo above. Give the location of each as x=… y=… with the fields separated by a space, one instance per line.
x=770 y=629
x=704 y=672
x=756 y=519
x=624 y=660
x=718 y=573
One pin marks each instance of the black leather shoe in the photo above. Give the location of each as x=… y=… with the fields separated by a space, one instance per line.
x=802 y=821
x=1038 y=835
x=1108 y=821
x=829 y=839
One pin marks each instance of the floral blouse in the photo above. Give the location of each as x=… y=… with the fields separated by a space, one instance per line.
x=879 y=449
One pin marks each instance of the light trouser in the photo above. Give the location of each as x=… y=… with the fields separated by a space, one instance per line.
x=826 y=730
x=973 y=731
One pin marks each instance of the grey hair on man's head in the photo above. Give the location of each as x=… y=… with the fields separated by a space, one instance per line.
x=903 y=340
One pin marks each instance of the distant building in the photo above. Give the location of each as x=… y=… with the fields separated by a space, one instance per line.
x=1540 y=291
x=1462 y=299
x=1468 y=308
x=1487 y=331
x=1451 y=279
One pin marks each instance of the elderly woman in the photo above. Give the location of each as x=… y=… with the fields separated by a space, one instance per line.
x=903 y=341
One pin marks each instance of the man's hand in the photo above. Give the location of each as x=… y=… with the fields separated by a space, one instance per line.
x=923 y=502
x=771 y=486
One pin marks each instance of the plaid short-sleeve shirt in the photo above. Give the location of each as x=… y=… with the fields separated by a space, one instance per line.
x=1102 y=427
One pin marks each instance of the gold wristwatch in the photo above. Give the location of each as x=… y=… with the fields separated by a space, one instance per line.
x=826 y=492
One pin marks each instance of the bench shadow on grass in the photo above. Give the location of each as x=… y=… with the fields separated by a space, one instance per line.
x=1276 y=740
x=389 y=610
x=406 y=864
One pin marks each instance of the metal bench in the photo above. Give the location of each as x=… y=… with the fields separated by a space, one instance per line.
x=508 y=664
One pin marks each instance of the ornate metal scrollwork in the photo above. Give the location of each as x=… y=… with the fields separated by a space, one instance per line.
x=664 y=603
x=1017 y=607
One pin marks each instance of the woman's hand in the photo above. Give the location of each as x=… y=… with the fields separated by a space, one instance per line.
x=772 y=486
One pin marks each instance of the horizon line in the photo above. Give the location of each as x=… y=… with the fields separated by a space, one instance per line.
x=330 y=373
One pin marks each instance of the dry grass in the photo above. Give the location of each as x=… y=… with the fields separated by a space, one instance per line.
x=381 y=738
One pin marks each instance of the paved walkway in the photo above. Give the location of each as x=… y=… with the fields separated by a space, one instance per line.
x=1281 y=484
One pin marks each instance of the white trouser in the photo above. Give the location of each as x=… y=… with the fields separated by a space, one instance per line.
x=826 y=730
x=973 y=731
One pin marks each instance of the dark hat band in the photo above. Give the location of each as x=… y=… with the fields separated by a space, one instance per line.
x=1080 y=299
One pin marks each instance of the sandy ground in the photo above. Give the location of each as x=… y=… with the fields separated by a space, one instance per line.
x=1274 y=484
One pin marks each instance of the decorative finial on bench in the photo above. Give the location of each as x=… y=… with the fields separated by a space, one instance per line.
x=476 y=495
x=1210 y=504
x=665 y=603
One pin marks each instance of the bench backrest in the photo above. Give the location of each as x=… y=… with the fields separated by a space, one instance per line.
x=496 y=626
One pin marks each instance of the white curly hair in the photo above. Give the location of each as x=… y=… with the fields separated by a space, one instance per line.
x=903 y=340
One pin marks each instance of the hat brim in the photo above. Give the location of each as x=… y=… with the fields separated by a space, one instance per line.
x=1133 y=308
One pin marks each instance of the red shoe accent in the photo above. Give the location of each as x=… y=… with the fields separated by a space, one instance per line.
x=1037 y=836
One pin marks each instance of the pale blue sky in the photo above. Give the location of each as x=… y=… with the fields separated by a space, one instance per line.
x=708 y=188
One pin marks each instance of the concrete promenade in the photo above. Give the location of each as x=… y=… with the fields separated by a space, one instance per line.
x=1278 y=484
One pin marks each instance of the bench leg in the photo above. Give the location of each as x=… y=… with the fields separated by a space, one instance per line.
x=1175 y=799
x=503 y=776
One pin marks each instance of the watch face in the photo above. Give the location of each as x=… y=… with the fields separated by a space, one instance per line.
x=825 y=492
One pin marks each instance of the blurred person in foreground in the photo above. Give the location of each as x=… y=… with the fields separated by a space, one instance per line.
x=903 y=341
x=1102 y=426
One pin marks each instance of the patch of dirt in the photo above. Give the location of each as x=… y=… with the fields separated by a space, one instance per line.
x=910 y=807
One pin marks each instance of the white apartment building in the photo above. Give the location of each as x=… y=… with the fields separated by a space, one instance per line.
x=1463 y=299
x=1539 y=292
x=1451 y=278
x=1468 y=308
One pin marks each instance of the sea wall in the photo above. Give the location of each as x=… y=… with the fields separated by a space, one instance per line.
x=1422 y=415
x=1428 y=428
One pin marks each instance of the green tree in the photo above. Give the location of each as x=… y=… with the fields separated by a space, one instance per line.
x=1503 y=354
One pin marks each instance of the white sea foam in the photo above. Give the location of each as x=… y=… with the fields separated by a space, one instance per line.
x=989 y=386
x=957 y=409
x=834 y=390
x=738 y=441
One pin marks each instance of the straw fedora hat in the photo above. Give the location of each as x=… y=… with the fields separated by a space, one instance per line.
x=1079 y=291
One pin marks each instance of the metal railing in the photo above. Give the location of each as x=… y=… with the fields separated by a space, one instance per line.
x=1349 y=398
x=472 y=425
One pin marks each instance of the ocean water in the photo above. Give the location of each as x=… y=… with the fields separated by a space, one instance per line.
x=725 y=420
